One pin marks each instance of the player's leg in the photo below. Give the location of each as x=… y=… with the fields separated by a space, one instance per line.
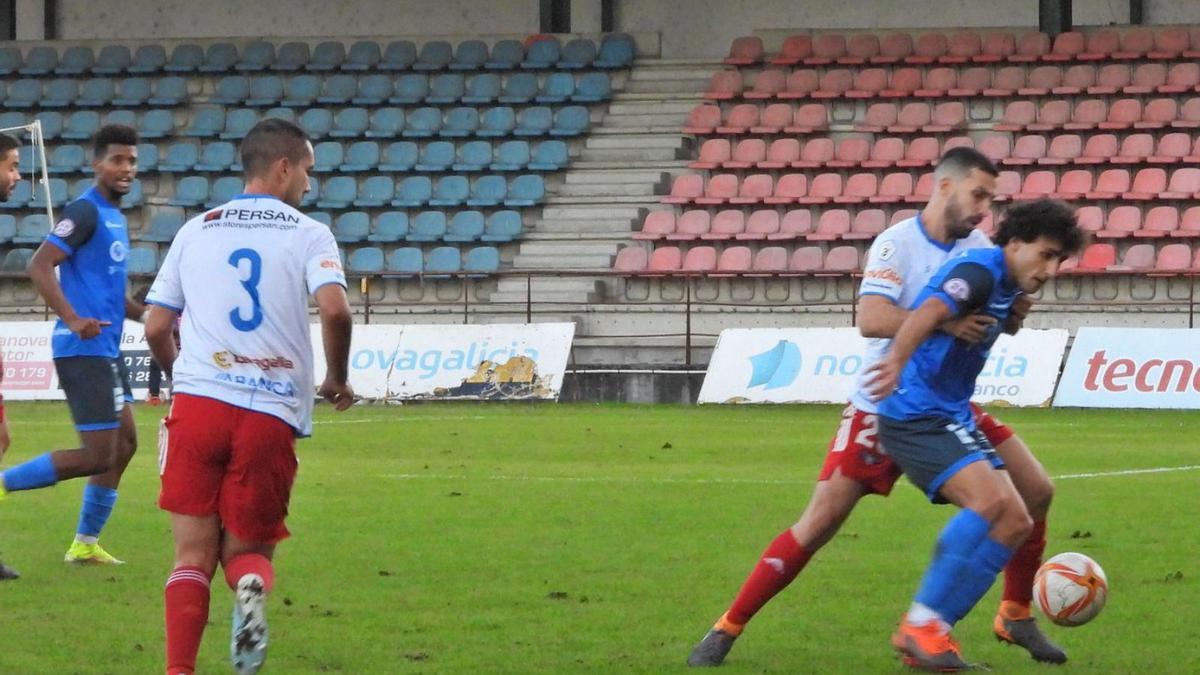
x=154 y=384
x=187 y=592
x=6 y=572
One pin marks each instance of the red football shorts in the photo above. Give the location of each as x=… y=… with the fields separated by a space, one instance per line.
x=215 y=458
x=996 y=431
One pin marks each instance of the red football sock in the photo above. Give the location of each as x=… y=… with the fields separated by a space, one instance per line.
x=1018 y=575
x=780 y=563
x=249 y=563
x=186 y=596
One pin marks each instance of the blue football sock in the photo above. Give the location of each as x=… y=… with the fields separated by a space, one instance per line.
x=36 y=473
x=958 y=540
x=98 y=504
x=986 y=562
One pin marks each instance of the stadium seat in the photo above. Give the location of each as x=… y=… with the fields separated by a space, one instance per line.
x=464 y=227
x=469 y=55
x=576 y=54
x=372 y=89
x=220 y=57
x=767 y=84
x=52 y=122
x=131 y=91
x=405 y=261
x=734 y=260
x=1147 y=78
x=1181 y=78
x=841 y=259
x=400 y=156
x=929 y=48
x=699 y=260
x=443 y=261
x=365 y=260
x=482 y=88
x=556 y=88
x=1172 y=148
x=1169 y=43
x=685 y=188
x=376 y=192
x=549 y=155
x=10 y=60
x=436 y=156
x=361 y=156
x=224 y=189
x=386 y=123
x=409 y=89
x=806 y=260
x=142 y=260
x=544 y=53
x=190 y=191
x=571 y=120
x=39 y=61
x=450 y=191
x=231 y=90
x=526 y=190
x=351 y=227
x=616 y=51
x=256 y=56
x=163 y=226
x=185 y=58
x=1073 y=184
x=311 y=195
x=428 y=226
x=62 y=93
x=893 y=188
x=505 y=55
x=8 y=228
x=509 y=156
x=1160 y=221
x=23 y=94
x=292 y=57
x=1183 y=185
x=859 y=188
x=747 y=153
x=337 y=193
x=81 y=125
x=832 y=225
x=703 y=119
x=850 y=152
x=724 y=85
x=389 y=227
x=1158 y=114
x=422 y=123
x=867 y=83
x=823 y=188
x=753 y=189
x=233 y=125
x=725 y=225
x=1135 y=149
x=169 y=92
x=920 y=152
x=446 y=88
x=1147 y=184
x=518 y=88
x=1137 y=258
x=147 y=157
x=502 y=226
x=1189 y=115
x=713 y=153
x=534 y=122
x=1122 y=221
x=16 y=260
x=745 y=51
x=266 y=90
x=780 y=154
x=794 y=50
x=350 y=123
x=219 y=156
x=460 y=122
x=1027 y=150
x=32 y=229
x=481 y=261
x=657 y=225
x=631 y=260
x=398 y=55
x=180 y=157
x=326 y=56
x=339 y=89
x=1189 y=223
x=434 y=55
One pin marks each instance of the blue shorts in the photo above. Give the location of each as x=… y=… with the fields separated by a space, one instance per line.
x=930 y=450
x=97 y=389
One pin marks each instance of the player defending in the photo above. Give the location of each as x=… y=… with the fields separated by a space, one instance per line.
x=241 y=275
x=89 y=245
x=927 y=425
x=901 y=261
x=10 y=175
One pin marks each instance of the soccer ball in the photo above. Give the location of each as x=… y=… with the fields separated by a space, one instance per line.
x=1070 y=589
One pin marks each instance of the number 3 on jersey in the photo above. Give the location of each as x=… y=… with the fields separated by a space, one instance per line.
x=251 y=286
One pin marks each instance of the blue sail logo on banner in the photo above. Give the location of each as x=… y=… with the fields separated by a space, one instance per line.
x=777 y=367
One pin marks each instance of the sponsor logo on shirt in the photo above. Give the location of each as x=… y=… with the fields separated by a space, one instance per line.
x=886 y=250
x=113 y=225
x=285 y=389
x=117 y=251
x=884 y=274
x=63 y=228
x=226 y=360
x=331 y=264
x=957 y=289
x=212 y=215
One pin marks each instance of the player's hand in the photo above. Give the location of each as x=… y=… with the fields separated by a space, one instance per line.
x=882 y=378
x=1020 y=310
x=87 y=328
x=340 y=395
x=971 y=328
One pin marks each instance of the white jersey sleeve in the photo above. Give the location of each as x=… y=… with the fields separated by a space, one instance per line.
x=884 y=271
x=166 y=289
x=324 y=263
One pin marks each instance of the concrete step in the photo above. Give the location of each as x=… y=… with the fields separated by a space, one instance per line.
x=561 y=262
x=670 y=74
x=696 y=86
x=691 y=99
x=614 y=234
x=583 y=227
x=631 y=154
x=665 y=165
x=648 y=121
x=664 y=128
x=553 y=213
x=567 y=248
x=639 y=200
x=633 y=141
x=608 y=189
x=547 y=284
x=619 y=109
x=711 y=64
x=592 y=176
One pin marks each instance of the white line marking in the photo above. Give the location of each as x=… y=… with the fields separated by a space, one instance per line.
x=1129 y=472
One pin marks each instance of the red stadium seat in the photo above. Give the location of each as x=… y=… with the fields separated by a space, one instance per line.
x=691 y=225
x=791 y=186
x=851 y=152
x=1097 y=258
x=1193 y=51
x=886 y=152
x=781 y=153
x=859 y=188
x=809 y=117
x=1147 y=184
x=860 y=48
x=1052 y=115
x=868 y=83
x=1195 y=156
x=658 y=225
x=747 y=153
x=894 y=47
x=996 y=147
x=1173 y=258
x=928 y=48
x=1189 y=223
x=1172 y=148
x=1184 y=184
x=922 y=190
x=1063 y=149
x=1041 y=80
x=794 y=224
x=631 y=260
x=1181 y=78
x=1169 y=43
x=1038 y=184
x=1017 y=115
x=1122 y=114
x=878 y=117
x=904 y=82
x=703 y=119
x=1031 y=47
x=745 y=51
x=842 y=259
x=1067 y=47
x=911 y=118
x=1137 y=258
x=1122 y=221
x=824 y=187
x=833 y=225
x=1110 y=184
x=1098 y=149
x=1076 y=80
x=739 y=120
x=963 y=46
x=826 y=48
x=1135 y=149
x=701 y=259
x=938 y=82
x=971 y=82
x=767 y=84
x=774 y=119
x=795 y=49
x=713 y=152
x=1158 y=114
x=1101 y=45
x=1189 y=115
x=1136 y=43
x=893 y=188
x=726 y=224
x=834 y=83
x=754 y=189
x=956 y=142
x=1006 y=81
x=769 y=261
x=1090 y=218
x=947 y=116
x=759 y=225
x=1008 y=183
x=665 y=260
x=720 y=189
x=868 y=223
x=996 y=47
x=1027 y=150
x=1161 y=221
x=1110 y=79
x=685 y=189
x=800 y=84
x=1147 y=78
x=1088 y=114
x=806 y=260
x=1074 y=184
x=901 y=215
x=724 y=85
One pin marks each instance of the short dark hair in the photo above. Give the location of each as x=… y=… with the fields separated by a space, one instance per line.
x=113 y=134
x=959 y=162
x=1048 y=218
x=270 y=141
x=8 y=143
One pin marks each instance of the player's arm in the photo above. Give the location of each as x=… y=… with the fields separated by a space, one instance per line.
x=74 y=230
x=880 y=317
x=134 y=310
x=160 y=336
x=336 y=327
x=1020 y=310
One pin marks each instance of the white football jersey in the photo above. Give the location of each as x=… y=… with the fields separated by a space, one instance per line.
x=241 y=275
x=900 y=264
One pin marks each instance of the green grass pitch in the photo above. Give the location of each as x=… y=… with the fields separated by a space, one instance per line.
x=505 y=538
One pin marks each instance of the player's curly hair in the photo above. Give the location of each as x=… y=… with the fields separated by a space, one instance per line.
x=1048 y=218
x=113 y=134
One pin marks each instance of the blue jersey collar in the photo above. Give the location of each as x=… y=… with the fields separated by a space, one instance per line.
x=94 y=195
x=935 y=242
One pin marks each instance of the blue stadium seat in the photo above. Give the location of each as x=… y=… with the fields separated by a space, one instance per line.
x=616 y=51
x=481 y=261
x=181 y=157
x=450 y=191
x=502 y=226
x=327 y=156
x=386 y=123
x=556 y=88
x=464 y=226
x=511 y=156
x=113 y=60
x=67 y=159
x=101 y=92
x=169 y=91
x=470 y=55
x=82 y=185
x=389 y=227
x=281 y=114
x=190 y=191
x=351 y=227
x=32 y=229
x=292 y=56
x=52 y=122
x=81 y=125
x=95 y=93
x=460 y=122
x=20 y=195
x=482 y=88
x=16 y=119
x=163 y=226
x=487 y=191
x=147 y=157
x=363 y=55
x=593 y=88
x=436 y=156
x=61 y=93
x=25 y=156
x=265 y=90
x=350 y=123
x=10 y=60
x=134 y=198
x=519 y=88
x=301 y=90
x=413 y=191
x=422 y=123
x=207 y=123
x=377 y=191
x=336 y=89
x=549 y=155
x=231 y=90
x=256 y=56
x=24 y=94
x=316 y=122
x=409 y=89
x=428 y=226
x=142 y=260
x=446 y=88
x=578 y=53
x=366 y=260
x=8 y=228
x=526 y=190
x=238 y=123
x=498 y=121
x=506 y=55
x=325 y=219
x=185 y=58
x=570 y=121
x=217 y=156
x=472 y=156
x=373 y=90
x=398 y=55
x=132 y=91
x=220 y=57
x=435 y=55
x=407 y=261
x=326 y=56
x=58 y=195
x=311 y=194
x=224 y=189
x=337 y=193
x=16 y=260
x=39 y=61
x=125 y=117
x=76 y=60
x=400 y=156
x=534 y=122
x=542 y=54
x=443 y=261
x=147 y=59
x=361 y=156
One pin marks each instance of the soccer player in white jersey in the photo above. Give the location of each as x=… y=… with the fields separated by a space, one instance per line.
x=10 y=175
x=900 y=263
x=241 y=276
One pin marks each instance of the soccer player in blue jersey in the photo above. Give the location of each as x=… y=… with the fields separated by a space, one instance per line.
x=89 y=246
x=10 y=175
x=927 y=426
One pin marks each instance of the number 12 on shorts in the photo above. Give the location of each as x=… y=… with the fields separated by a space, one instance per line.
x=250 y=283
